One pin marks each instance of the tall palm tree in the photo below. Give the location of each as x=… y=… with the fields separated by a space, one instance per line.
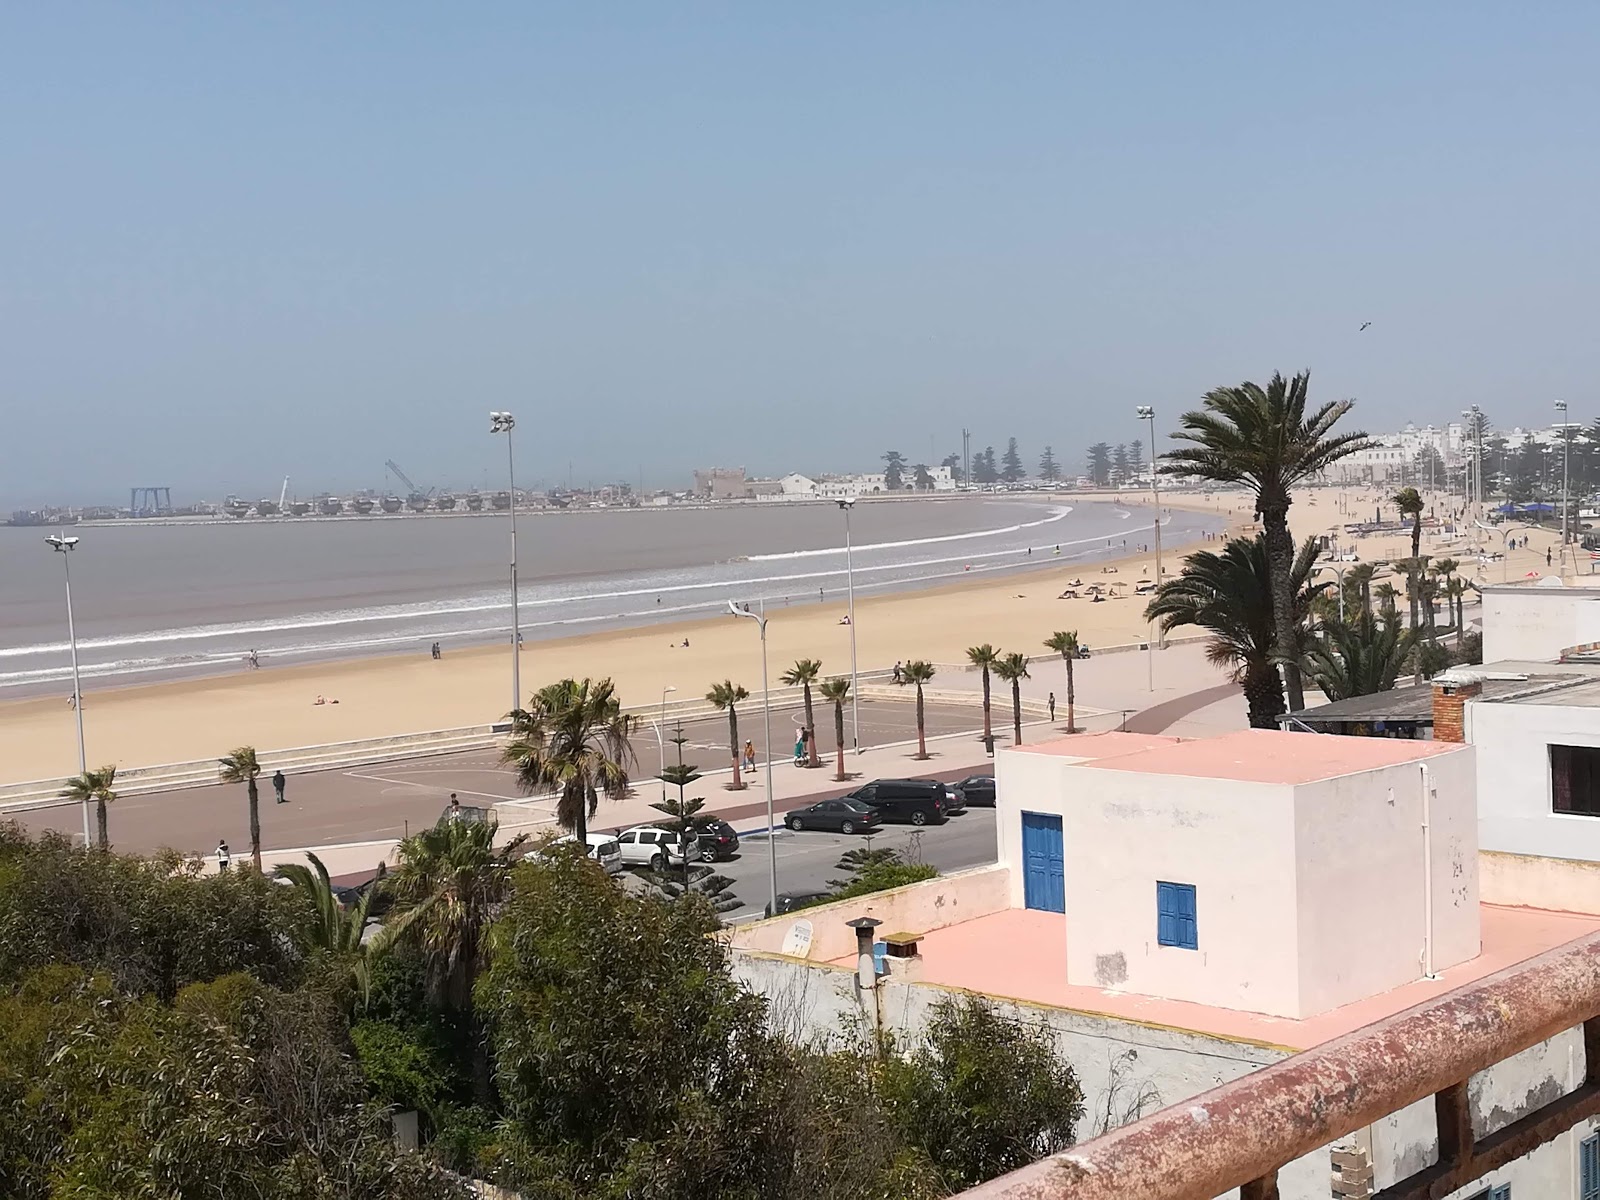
x=1444 y=570
x=449 y=885
x=1065 y=643
x=727 y=695
x=1387 y=597
x=836 y=691
x=1264 y=438
x=96 y=786
x=1413 y=569
x=918 y=672
x=984 y=658
x=803 y=674
x=572 y=740
x=1360 y=657
x=242 y=766
x=1359 y=579
x=1013 y=668
x=1410 y=503
x=1229 y=594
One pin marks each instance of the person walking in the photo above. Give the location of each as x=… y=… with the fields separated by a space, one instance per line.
x=223 y=857
x=278 y=780
x=1052 y=703
x=749 y=755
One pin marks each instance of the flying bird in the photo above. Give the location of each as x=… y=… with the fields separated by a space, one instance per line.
x=1364 y=325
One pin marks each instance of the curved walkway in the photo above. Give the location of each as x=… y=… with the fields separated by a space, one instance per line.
x=1158 y=718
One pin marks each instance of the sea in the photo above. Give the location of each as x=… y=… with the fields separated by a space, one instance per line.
x=162 y=600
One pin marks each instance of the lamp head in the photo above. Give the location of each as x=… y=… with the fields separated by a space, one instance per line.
x=501 y=422
x=63 y=544
x=847 y=502
x=1146 y=412
x=1561 y=406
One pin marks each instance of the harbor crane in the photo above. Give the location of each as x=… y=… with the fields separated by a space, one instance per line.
x=418 y=499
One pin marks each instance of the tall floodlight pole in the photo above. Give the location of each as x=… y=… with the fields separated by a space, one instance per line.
x=1148 y=413
x=64 y=546
x=760 y=618
x=504 y=422
x=845 y=506
x=661 y=746
x=1566 y=465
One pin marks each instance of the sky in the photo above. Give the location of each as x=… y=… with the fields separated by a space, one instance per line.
x=239 y=242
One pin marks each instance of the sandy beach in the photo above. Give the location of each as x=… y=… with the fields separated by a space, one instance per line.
x=275 y=709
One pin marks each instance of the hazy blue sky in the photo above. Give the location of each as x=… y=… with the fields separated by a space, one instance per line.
x=244 y=241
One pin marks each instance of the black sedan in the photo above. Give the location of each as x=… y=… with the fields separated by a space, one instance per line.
x=977 y=790
x=718 y=840
x=842 y=816
x=790 y=901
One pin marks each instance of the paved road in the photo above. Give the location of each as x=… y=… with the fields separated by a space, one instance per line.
x=390 y=800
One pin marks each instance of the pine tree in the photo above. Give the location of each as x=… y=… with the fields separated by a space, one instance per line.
x=1119 y=465
x=1011 y=469
x=1048 y=470
x=1135 y=458
x=1100 y=464
x=983 y=468
x=893 y=472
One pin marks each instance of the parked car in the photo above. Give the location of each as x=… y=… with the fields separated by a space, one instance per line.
x=718 y=840
x=904 y=801
x=789 y=901
x=954 y=801
x=469 y=813
x=977 y=790
x=649 y=846
x=603 y=849
x=842 y=816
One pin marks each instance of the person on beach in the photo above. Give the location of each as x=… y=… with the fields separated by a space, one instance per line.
x=897 y=671
x=278 y=780
x=223 y=857
x=255 y=661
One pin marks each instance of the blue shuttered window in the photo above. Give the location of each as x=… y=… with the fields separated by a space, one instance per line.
x=1503 y=1192
x=1175 y=916
x=1589 y=1169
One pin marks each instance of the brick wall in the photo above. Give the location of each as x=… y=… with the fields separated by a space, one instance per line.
x=1449 y=709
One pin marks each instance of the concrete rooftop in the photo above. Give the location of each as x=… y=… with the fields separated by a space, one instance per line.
x=1272 y=756
x=1086 y=746
x=1021 y=954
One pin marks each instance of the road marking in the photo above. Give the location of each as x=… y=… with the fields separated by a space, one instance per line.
x=429 y=787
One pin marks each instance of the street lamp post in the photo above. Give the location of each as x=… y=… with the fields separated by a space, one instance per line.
x=760 y=618
x=845 y=506
x=1566 y=464
x=64 y=546
x=1339 y=574
x=661 y=747
x=1147 y=412
x=504 y=422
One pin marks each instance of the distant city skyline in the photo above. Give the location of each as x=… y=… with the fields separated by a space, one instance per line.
x=248 y=243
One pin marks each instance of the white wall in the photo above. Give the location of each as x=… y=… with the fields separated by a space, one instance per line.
x=1514 y=813
x=1538 y=621
x=1024 y=782
x=1233 y=841
x=1359 y=846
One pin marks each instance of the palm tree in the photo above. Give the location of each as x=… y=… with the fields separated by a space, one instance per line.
x=726 y=695
x=572 y=740
x=803 y=674
x=1264 y=438
x=1359 y=579
x=918 y=672
x=1230 y=595
x=836 y=691
x=1410 y=503
x=1444 y=570
x=1360 y=657
x=1413 y=569
x=242 y=766
x=1387 y=597
x=449 y=885
x=1013 y=668
x=330 y=926
x=1065 y=643
x=984 y=658
x=96 y=786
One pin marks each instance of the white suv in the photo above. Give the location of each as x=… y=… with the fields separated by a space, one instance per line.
x=602 y=849
x=647 y=846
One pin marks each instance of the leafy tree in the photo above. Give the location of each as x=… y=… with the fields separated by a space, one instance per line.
x=1358 y=586
x=1429 y=465
x=1119 y=464
x=1265 y=439
x=1011 y=468
x=1049 y=470
x=983 y=468
x=923 y=477
x=803 y=674
x=96 y=786
x=1013 y=668
x=836 y=691
x=572 y=740
x=1387 y=595
x=726 y=697
x=1230 y=596
x=984 y=657
x=894 y=470
x=917 y=672
x=449 y=884
x=1359 y=657
x=242 y=766
x=1100 y=464
x=329 y=927
x=983 y=1094
x=1065 y=643
x=151 y=925
x=1429 y=658
x=952 y=463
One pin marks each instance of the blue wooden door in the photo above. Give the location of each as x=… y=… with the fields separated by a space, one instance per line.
x=1044 y=885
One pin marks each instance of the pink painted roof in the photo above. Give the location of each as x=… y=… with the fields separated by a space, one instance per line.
x=1272 y=756
x=1021 y=954
x=1096 y=745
